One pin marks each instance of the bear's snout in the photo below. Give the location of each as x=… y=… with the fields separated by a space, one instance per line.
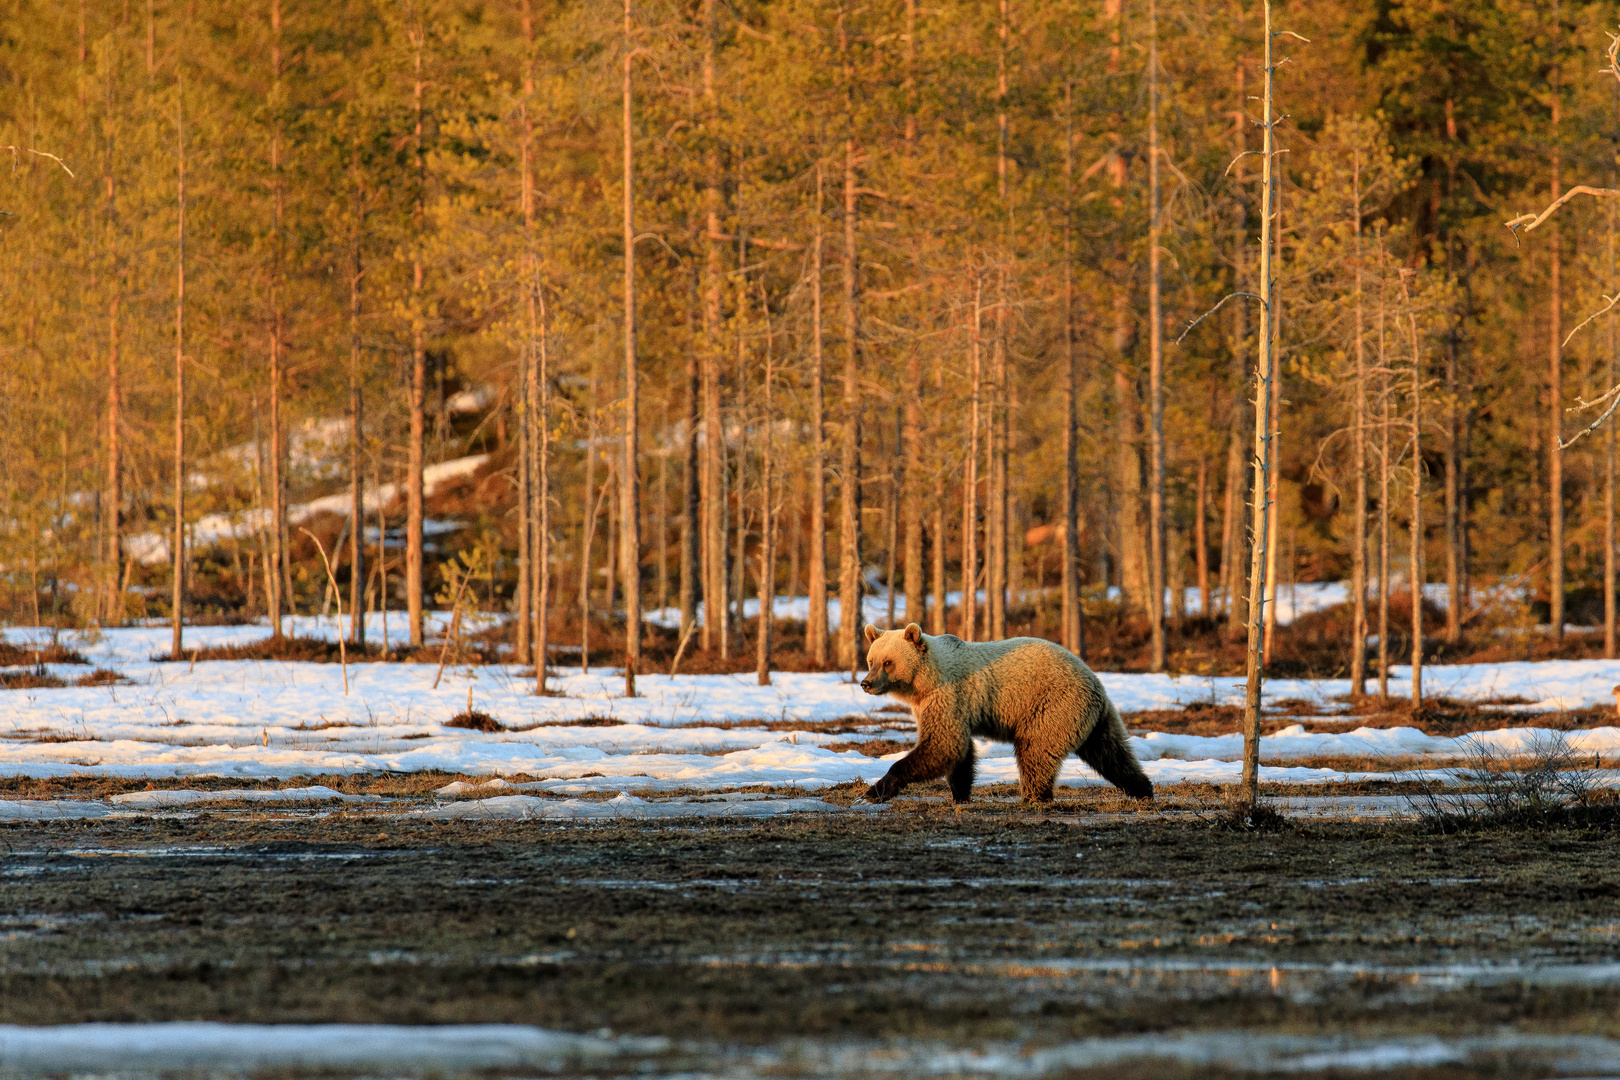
x=869 y=685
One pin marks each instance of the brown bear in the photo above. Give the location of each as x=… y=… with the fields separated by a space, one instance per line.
x=1026 y=691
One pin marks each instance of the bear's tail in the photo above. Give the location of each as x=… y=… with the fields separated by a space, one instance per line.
x=1108 y=750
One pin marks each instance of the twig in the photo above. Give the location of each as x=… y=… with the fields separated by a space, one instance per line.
x=1594 y=425
x=15 y=150
x=1213 y=310
x=1527 y=222
x=681 y=648
x=455 y=624
x=1607 y=307
x=343 y=655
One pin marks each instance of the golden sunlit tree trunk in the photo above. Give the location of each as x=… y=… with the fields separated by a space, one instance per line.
x=279 y=571
x=1156 y=553
x=179 y=550
x=1555 y=371
x=1358 y=444
x=1073 y=618
x=716 y=624
x=850 y=654
x=1416 y=573
x=815 y=629
x=630 y=473
x=414 y=495
x=357 y=502
x=1265 y=369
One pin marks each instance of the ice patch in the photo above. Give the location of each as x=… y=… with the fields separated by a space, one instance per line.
x=531 y=808
x=122 y=1047
x=152 y=800
x=50 y=810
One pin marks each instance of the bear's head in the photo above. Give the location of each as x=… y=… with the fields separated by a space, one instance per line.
x=893 y=660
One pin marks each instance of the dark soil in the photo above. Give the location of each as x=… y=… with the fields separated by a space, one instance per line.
x=918 y=923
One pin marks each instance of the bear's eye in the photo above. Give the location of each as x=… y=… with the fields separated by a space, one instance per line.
x=888 y=665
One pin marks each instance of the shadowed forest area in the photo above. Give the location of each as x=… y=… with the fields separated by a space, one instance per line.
x=593 y=310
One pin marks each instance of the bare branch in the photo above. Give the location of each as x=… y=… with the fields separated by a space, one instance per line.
x=15 y=150
x=1213 y=310
x=1608 y=306
x=1527 y=222
x=1614 y=392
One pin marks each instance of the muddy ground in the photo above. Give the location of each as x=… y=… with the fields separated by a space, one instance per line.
x=918 y=923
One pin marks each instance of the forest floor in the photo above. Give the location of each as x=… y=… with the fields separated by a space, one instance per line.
x=1086 y=940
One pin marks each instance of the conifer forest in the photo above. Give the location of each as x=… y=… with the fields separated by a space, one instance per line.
x=591 y=312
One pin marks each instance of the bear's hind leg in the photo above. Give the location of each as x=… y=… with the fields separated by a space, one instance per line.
x=961 y=777
x=1037 y=772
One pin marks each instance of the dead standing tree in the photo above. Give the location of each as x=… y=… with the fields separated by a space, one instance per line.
x=1264 y=373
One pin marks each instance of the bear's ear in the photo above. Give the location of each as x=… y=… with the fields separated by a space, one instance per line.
x=915 y=636
x=872 y=633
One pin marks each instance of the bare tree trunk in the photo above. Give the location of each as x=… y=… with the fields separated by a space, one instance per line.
x=1264 y=370
x=714 y=547
x=1416 y=573
x=590 y=505
x=1233 y=537
x=1608 y=443
x=1555 y=381
x=1454 y=608
x=414 y=496
x=1274 y=494
x=767 y=518
x=849 y=480
x=115 y=463
x=1358 y=445
x=1385 y=391
x=815 y=630
x=357 y=510
x=936 y=618
x=1073 y=619
x=691 y=494
x=996 y=548
x=970 y=474
x=1156 y=552
x=910 y=468
x=179 y=552
x=279 y=600
x=1201 y=538
x=630 y=474
x=540 y=399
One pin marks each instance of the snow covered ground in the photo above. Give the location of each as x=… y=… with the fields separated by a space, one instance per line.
x=268 y=719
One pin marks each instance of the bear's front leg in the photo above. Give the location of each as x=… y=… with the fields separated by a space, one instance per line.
x=927 y=761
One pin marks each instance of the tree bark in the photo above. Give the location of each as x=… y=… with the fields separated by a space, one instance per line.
x=1156 y=551
x=996 y=550
x=970 y=473
x=357 y=509
x=1264 y=370
x=1609 y=450
x=280 y=598
x=1417 y=573
x=630 y=474
x=767 y=520
x=715 y=619
x=1233 y=535
x=414 y=495
x=1358 y=445
x=849 y=480
x=179 y=552
x=816 y=638
x=1072 y=620
x=1555 y=381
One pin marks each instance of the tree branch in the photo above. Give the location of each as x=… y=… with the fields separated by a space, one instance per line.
x=1527 y=222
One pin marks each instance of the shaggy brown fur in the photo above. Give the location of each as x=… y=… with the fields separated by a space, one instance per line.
x=1026 y=691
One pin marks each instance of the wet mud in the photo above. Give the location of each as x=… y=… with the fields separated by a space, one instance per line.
x=969 y=929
